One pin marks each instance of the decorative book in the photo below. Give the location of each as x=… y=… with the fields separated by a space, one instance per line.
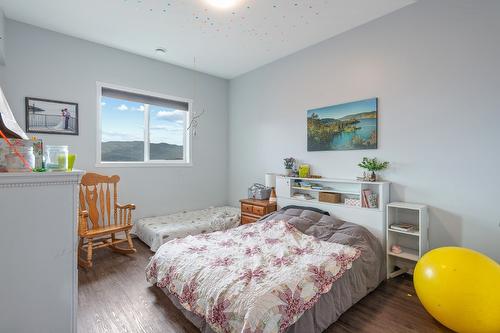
x=369 y=199
x=372 y=200
x=407 y=227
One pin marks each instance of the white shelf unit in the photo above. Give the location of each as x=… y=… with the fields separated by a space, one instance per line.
x=371 y=218
x=414 y=244
x=290 y=186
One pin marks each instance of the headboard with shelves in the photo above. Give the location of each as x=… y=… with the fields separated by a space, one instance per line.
x=306 y=192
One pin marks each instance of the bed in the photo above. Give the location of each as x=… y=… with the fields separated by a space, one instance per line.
x=294 y=271
x=155 y=231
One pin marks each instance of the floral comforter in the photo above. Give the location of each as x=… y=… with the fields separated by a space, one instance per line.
x=260 y=277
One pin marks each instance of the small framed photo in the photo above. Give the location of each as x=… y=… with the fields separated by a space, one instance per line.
x=52 y=117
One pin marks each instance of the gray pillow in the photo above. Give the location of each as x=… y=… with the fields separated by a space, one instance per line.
x=302 y=219
x=324 y=228
x=301 y=223
x=309 y=214
x=322 y=232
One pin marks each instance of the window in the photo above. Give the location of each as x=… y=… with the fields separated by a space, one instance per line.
x=141 y=128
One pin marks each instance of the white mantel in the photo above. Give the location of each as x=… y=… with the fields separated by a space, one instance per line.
x=20 y=179
x=38 y=239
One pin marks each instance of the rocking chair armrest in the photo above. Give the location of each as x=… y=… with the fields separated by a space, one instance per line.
x=127 y=206
x=124 y=213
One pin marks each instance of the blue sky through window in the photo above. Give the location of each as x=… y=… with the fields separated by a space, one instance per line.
x=122 y=120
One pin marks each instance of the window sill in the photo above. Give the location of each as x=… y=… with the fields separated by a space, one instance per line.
x=142 y=164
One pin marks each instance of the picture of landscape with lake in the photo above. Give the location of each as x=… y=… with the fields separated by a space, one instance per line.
x=346 y=126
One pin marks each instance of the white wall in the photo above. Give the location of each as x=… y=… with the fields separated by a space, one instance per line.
x=2 y=38
x=45 y=64
x=435 y=67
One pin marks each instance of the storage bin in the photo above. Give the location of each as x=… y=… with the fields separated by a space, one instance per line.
x=14 y=164
x=352 y=202
x=27 y=148
x=259 y=191
x=329 y=197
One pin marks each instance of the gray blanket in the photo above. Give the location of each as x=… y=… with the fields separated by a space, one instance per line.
x=364 y=276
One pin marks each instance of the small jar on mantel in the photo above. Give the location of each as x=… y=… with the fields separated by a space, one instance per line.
x=56 y=158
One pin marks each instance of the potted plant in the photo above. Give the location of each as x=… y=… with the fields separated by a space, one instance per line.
x=373 y=165
x=289 y=162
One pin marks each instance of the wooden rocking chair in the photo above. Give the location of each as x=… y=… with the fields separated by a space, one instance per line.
x=97 y=228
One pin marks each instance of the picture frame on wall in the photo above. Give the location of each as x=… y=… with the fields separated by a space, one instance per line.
x=51 y=116
x=347 y=126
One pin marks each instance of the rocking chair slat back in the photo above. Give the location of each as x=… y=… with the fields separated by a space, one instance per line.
x=82 y=198
x=95 y=198
x=82 y=206
x=115 y=198
x=91 y=199
x=101 y=203
x=108 y=203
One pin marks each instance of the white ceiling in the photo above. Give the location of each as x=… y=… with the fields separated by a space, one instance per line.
x=226 y=42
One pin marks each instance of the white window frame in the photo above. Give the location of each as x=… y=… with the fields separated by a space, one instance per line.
x=187 y=151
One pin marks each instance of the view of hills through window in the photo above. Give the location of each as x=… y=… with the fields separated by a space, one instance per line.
x=123 y=135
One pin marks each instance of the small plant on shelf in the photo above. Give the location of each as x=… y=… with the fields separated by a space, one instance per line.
x=289 y=163
x=373 y=165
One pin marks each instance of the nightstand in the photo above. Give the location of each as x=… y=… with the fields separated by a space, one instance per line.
x=253 y=209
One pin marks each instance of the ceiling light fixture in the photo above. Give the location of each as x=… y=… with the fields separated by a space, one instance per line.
x=222 y=4
x=160 y=51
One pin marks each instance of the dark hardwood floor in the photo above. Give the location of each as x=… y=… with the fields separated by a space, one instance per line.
x=115 y=297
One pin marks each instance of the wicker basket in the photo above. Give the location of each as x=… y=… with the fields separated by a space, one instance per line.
x=329 y=197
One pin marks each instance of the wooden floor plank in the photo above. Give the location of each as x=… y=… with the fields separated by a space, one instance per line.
x=114 y=297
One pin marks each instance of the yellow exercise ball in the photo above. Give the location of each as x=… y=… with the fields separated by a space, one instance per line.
x=460 y=288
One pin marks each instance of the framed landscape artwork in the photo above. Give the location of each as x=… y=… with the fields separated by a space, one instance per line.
x=53 y=117
x=348 y=126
